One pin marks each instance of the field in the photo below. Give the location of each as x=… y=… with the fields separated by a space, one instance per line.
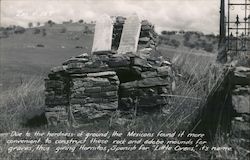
x=27 y=58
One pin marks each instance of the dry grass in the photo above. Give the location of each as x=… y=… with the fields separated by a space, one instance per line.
x=192 y=87
x=20 y=103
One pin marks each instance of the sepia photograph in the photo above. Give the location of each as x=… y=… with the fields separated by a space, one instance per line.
x=125 y=80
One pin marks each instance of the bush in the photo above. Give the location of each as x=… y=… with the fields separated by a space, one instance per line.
x=164 y=32
x=168 y=33
x=30 y=24
x=4 y=34
x=19 y=30
x=44 y=32
x=40 y=45
x=187 y=36
x=174 y=43
x=188 y=44
x=209 y=47
x=80 y=21
x=63 y=30
x=36 y=31
x=51 y=23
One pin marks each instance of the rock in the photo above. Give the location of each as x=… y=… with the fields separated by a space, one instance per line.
x=97 y=81
x=149 y=74
x=246 y=117
x=144 y=40
x=239 y=90
x=118 y=61
x=75 y=65
x=101 y=74
x=59 y=68
x=110 y=88
x=57 y=116
x=151 y=82
x=166 y=63
x=140 y=62
x=241 y=103
x=76 y=60
x=241 y=129
x=93 y=90
x=241 y=76
x=84 y=55
x=164 y=71
x=103 y=106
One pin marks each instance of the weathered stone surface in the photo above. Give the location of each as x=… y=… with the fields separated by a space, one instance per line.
x=119 y=61
x=101 y=74
x=149 y=74
x=246 y=117
x=241 y=76
x=57 y=116
x=75 y=65
x=103 y=106
x=164 y=71
x=97 y=81
x=59 y=68
x=76 y=60
x=130 y=35
x=241 y=103
x=241 y=129
x=92 y=86
x=103 y=34
x=239 y=90
x=92 y=90
x=141 y=62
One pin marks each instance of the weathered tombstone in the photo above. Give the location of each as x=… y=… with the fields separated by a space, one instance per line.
x=103 y=34
x=130 y=35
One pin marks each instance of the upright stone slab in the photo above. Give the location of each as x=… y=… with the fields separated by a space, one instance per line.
x=130 y=35
x=103 y=34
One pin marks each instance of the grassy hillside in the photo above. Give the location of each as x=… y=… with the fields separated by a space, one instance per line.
x=29 y=54
x=36 y=50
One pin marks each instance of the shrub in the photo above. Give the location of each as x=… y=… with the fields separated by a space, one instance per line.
x=189 y=44
x=164 y=32
x=44 y=32
x=4 y=34
x=209 y=47
x=80 y=21
x=51 y=23
x=19 y=30
x=36 y=31
x=187 y=36
x=63 y=30
x=40 y=45
x=175 y=43
x=30 y=24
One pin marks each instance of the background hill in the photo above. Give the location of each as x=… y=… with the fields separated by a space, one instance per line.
x=27 y=52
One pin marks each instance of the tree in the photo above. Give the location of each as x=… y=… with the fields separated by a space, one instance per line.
x=44 y=32
x=19 y=30
x=80 y=21
x=38 y=24
x=50 y=22
x=30 y=24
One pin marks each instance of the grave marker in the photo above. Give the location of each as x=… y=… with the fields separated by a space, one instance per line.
x=130 y=35
x=103 y=34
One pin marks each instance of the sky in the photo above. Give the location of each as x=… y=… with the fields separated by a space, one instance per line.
x=192 y=15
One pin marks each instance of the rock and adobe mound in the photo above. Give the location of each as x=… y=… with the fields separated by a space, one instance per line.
x=87 y=87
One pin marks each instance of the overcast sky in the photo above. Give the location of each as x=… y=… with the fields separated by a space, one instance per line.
x=195 y=15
